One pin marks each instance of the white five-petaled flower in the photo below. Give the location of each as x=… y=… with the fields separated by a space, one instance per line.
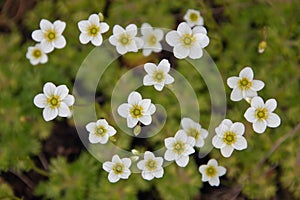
x=211 y=172
x=151 y=166
x=55 y=101
x=194 y=130
x=229 y=137
x=125 y=40
x=151 y=38
x=100 y=131
x=244 y=86
x=36 y=55
x=187 y=42
x=158 y=75
x=179 y=148
x=91 y=30
x=261 y=114
x=137 y=109
x=193 y=18
x=117 y=169
x=50 y=35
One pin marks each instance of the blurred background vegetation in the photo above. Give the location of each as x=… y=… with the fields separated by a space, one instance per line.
x=40 y=160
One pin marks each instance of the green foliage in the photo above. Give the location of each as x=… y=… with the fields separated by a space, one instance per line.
x=235 y=29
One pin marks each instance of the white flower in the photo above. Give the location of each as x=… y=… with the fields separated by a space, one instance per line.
x=211 y=172
x=137 y=109
x=100 y=131
x=158 y=75
x=193 y=18
x=261 y=114
x=229 y=137
x=92 y=29
x=50 y=35
x=55 y=101
x=244 y=86
x=194 y=130
x=117 y=169
x=151 y=166
x=151 y=38
x=179 y=148
x=187 y=42
x=125 y=40
x=36 y=55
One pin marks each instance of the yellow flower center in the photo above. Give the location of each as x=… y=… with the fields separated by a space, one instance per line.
x=50 y=35
x=151 y=165
x=93 y=30
x=118 y=168
x=125 y=39
x=245 y=84
x=261 y=113
x=211 y=171
x=54 y=101
x=136 y=111
x=194 y=133
x=229 y=137
x=37 y=53
x=152 y=40
x=179 y=147
x=194 y=17
x=158 y=76
x=187 y=40
x=100 y=131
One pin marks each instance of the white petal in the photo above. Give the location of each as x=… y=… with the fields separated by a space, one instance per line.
x=199 y=29
x=180 y=52
x=121 y=49
x=257 y=85
x=212 y=162
x=181 y=135
x=260 y=126
x=221 y=170
x=94 y=19
x=117 y=30
x=246 y=73
x=148 y=155
x=203 y=133
x=169 y=79
x=49 y=114
x=158 y=173
x=191 y=141
x=113 y=40
x=97 y=41
x=196 y=51
x=240 y=144
x=236 y=94
x=214 y=181
x=40 y=101
x=90 y=127
x=93 y=138
x=249 y=93
x=131 y=29
x=226 y=151
x=204 y=176
x=60 y=42
x=126 y=162
x=250 y=115
x=273 y=120
x=131 y=47
x=189 y=150
x=45 y=24
x=146 y=52
x=59 y=26
x=131 y=122
x=159 y=34
x=141 y=164
x=203 y=39
x=150 y=68
x=49 y=89
x=159 y=86
x=172 y=38
x=227 y=122
x=116 y=159
x=202 y=169
x=164 y=65
x=139 y=42
x=63 y=110
x=107 y=166
x=104 y=27
x=184 y=28
x=111 y=131
x=147 y=175
x=169 y=142
x=123 y=110
x=112 y=177
x=84 y=38
x=69 y=100
x=238 y=128
x=126 y=173
x=83 y=25
x=159 y=161
x=145 y=103
x=46 y=46
x=44 y=58
x=134 y=98
x=232 y=82
x=152 y=109
x=257 y=102
x=61 y=91
x=271 y=105
x=169 y=155
x=146 y=119
x=37 y=35
x=148 y=80
x=218 y=142
x=182 y=161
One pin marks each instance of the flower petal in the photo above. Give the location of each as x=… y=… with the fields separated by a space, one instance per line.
x=260 y=126
x=184 y=28
x=150 y=68
x=107 y=166
x=169 y=142
x=131 y=29
x=93 y=138
x=273 y=120
x=250 y=115
x=126 y=162
x=112 y=177
x=90 y=127
x=60 y=42
x=271 y=105
x=40 y=101
x=145 y=103
x=181 y=136
x=182 y=161
x=186 y=123
x=148 y=80
x=131 y=122
x=97 y=40
x=111 y=131
x=152 y=109
x=49 y=113
x=69 y=100
x=240 y=144
x=199 y=29
x=49 y=89
x=63 y=110
x=232 y=82
x=104 y=27
x=169 y=155
x=117 y=30
x=159 y=86
x=172 y=38
x=61 y=91
x=59 y=26
x=84 y=38
x=158 y=173
x=212 y=162
x=226 y=151
x=238 y=128
x=37 y=35
x=123 y=110
x=46 y=46
x=83 y=25
x=141 y=164
x=257 y=102
x=169 y=79
x=217 y=142
x=221 y=170
x=236 y=94
x=94 y=19
x=180 y=52
x=45 y=24
x=134 y=98
x=214 y=181
x=146 y=119
x=247 y=72
x=164 y=65
x=257 y=85
x=147 y=175
x=196 y=51
x=203 y=39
